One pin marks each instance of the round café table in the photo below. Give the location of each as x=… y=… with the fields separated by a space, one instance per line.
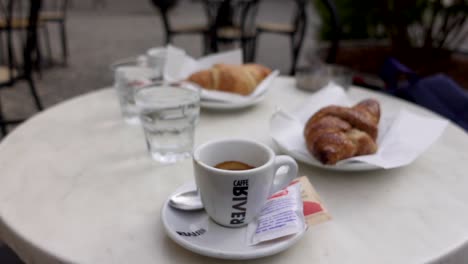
x=77 y=186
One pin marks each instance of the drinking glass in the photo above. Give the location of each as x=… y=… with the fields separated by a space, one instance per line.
x=128 y=79
x=314 y=78
x=168 y=114
x=156 y=59
x=340 y=75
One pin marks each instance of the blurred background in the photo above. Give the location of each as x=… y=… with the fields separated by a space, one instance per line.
x=53 y=50
x=76 y=47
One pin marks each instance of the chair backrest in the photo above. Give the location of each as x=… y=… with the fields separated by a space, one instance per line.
x=238 y=13
x=164 y=6
x=336 y=25
x=300 y=15
x=58 y=7
x=9 y=10
x=248 y=16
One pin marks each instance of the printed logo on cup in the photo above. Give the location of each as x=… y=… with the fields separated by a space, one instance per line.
x=240 y=191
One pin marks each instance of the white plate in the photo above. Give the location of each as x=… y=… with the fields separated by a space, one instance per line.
x=293 y=134
x=219 y=105
x=196 y=232
x=340 y=166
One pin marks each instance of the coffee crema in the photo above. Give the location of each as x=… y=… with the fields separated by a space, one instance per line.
x=233 y=165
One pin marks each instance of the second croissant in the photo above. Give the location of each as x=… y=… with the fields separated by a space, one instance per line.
x=240 y=79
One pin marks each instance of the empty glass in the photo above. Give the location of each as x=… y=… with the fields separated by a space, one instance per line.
x=156 y=60
x=316 y=77
x=168 y=114
x=127 y=80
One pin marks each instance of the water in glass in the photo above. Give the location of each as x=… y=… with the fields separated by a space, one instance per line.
x=168 y=116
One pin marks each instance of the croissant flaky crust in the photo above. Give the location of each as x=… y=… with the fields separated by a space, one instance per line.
x=336 y=132
x=240 y=79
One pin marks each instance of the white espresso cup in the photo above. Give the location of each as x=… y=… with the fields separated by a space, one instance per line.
x=233 y=198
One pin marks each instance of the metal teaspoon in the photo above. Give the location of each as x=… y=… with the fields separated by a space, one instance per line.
x=187 y=201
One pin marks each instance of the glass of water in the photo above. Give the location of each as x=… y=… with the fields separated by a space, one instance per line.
x=168 y=114
x=156 y=59
x=314 y=78
x=128 y=79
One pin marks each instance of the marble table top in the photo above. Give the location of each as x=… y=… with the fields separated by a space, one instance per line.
x=77 y=185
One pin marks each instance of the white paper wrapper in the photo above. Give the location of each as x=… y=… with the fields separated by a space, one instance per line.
x=402 y=136
x=179 y=66
x=282 y=215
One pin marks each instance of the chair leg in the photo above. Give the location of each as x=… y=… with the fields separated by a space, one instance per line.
x=206 y=44
x=244 y=45
x=253 y=49
x=247 y=51
x=2 y=50
x=47 y=43
x=32 y=88
x=296 y=48
x=168 y=38
x=254 y=55
x=37 y=61
x=63 y=36
x=3 y=125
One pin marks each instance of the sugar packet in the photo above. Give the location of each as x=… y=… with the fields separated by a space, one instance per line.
x=281 y=216
x=288 y=212
x=313 y=208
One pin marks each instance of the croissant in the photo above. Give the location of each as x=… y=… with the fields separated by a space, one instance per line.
x=240 y=79
x=335 y=132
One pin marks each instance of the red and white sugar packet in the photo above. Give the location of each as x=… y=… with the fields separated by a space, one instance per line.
x=288 y=212
x=313 y=208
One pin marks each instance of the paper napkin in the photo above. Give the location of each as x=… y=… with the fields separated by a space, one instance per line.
x=403 y=135
x=179 y=66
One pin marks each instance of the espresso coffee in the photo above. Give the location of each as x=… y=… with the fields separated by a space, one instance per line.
x=233 y=165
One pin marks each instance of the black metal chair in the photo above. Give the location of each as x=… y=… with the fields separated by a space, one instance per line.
x=164 y=7
x=55 y=12
x=234 y=21
x=19 y=22
x=336 y=25
x=297 y=29
x=13 y=70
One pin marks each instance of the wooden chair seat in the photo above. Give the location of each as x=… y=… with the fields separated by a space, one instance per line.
x=276 y=28
x=187 y=29
x=232 y=33
x=16 y=23
x=51 y=16
x=6 y=74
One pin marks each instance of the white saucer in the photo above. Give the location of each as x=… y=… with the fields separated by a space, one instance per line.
x=196 y=232
x=219 y=105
